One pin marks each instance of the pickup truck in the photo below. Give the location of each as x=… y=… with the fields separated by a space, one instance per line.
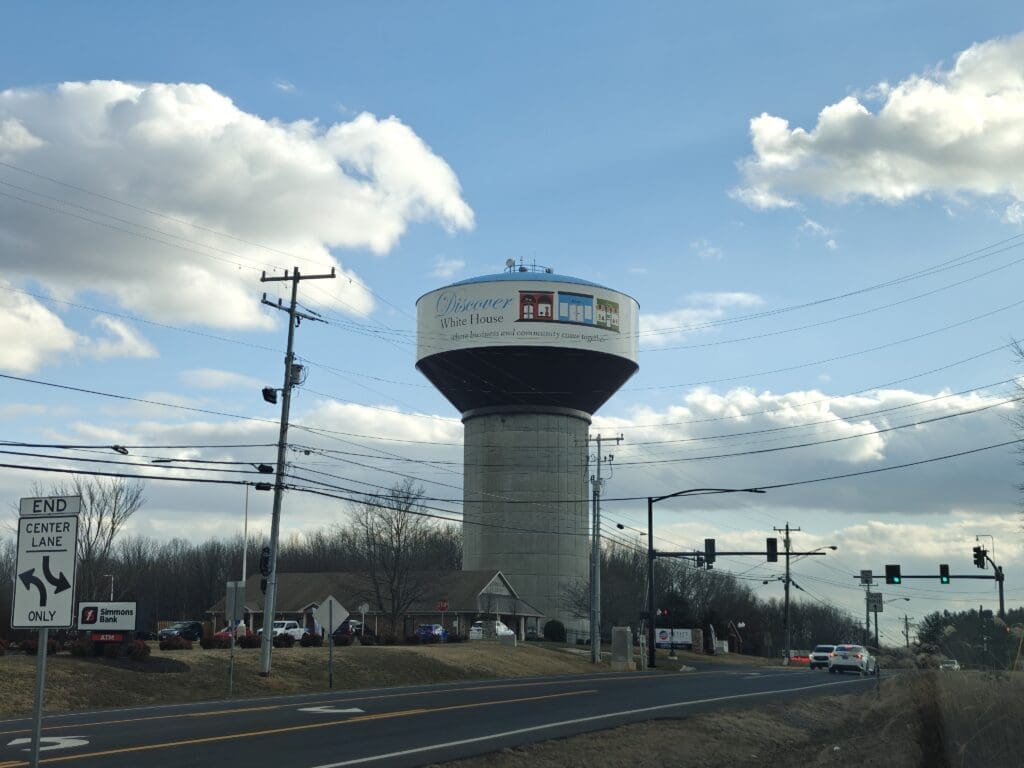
x=288 y=627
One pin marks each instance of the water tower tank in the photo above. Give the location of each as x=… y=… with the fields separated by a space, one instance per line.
x=527 y=357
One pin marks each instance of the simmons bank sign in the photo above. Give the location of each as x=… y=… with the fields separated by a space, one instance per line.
x=527 y=313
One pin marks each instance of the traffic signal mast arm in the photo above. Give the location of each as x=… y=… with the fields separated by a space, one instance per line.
x=720 y=553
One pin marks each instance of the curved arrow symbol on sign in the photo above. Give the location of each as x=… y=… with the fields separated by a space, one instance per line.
x=50 y=742
x=60 y=582
x=28 y=578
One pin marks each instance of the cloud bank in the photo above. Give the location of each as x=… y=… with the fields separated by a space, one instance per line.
x=948 y=132
x=194 y=197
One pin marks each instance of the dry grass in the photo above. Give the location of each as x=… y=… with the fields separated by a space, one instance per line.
x=930 y=720
x=75 y=684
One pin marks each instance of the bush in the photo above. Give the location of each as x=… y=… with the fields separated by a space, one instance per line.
x=175 y=644
x=138 y=650
x=284 y=641
x=249 y=641
x=554 y=631
x=207 y=643
x=311 y=641
x=342 y=640
x=4 y=645
x=82 y=647
x=111 y=650
x=31 y=647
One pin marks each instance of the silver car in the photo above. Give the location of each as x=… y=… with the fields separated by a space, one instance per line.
x=852 y=658
x=820 y=656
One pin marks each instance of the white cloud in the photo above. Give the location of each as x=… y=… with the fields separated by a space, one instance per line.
x=446 y=268
x=122 y=341
x=14 y=137
x=705 y=250
x=300 y=190
x=284 y=85
x=661 y=328
x=32 y=334
x=831 y=244
x=946 y=132
x=814 y=227
x=211 y=378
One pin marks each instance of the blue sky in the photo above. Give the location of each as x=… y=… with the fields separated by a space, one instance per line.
x=414 y=144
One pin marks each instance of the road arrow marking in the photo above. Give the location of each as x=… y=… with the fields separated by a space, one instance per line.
x=332 y=710
x=50 y=742
x=60 y=582
x=28 y=578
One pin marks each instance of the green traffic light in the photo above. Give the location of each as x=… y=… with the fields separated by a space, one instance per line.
x=897 y=580
x=944 y=579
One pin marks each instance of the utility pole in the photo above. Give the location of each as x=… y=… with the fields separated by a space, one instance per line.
x=595 y=554
x=786 y=581
x=906 y=629
x=294 y=317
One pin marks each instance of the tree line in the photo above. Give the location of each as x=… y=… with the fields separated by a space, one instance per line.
x=388 y=537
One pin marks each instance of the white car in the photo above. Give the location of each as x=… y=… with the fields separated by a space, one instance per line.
x=852 y=658
x=476 y=631
x=950 y=665
x=820 y=656
x=287 y=627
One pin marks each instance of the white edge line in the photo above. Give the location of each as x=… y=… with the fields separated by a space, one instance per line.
x=576 y=721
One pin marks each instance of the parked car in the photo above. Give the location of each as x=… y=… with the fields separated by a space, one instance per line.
x=431 y=633
x=287 y=627
x=187 y=630
x=351 y=628
x=852 y=658
x=476 y=630
x=820 y=656
x=950 y=665
x=145 y=634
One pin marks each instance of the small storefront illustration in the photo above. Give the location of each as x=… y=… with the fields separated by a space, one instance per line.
x=575 y=308
x=536 y=305
x=608 y=314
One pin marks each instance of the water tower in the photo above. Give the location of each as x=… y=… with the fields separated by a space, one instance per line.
x=527 y=356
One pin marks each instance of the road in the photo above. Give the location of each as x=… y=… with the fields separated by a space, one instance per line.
x=397 y=726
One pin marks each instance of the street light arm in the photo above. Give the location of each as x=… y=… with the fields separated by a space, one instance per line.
x=702 y=491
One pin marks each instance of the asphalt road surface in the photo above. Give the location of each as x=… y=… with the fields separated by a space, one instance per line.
x=397 y=726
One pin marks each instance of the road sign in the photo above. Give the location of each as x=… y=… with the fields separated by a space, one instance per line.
x=875 y=602
x=234 y=602
x=50 y=505
x=331 y=610
x=364 y=607
x=103 y=617
x=44 y=591
x=442 y=605
x=866 y=577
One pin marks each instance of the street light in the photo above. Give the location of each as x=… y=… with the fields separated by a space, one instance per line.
x=651 y=501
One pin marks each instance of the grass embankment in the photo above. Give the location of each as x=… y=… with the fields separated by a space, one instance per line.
x=931 y=719
x=197 y=675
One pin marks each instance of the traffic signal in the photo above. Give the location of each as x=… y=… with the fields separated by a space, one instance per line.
x=709 y=552
x=663 y=611
x=773 y=550
x=892 y=575
x=944 y=573
x=979 y=556
x=265 y=561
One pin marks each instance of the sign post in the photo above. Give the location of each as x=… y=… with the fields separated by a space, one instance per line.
x=442 y=606
x=327 y=616
x=363 y=608
x=47 y=544
x=234 y=602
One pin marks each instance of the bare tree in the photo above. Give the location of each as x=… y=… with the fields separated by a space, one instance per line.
x=391 y=534
x=107 y=504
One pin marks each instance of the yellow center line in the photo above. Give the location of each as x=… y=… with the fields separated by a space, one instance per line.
x=294 y=728
x=325 y=702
